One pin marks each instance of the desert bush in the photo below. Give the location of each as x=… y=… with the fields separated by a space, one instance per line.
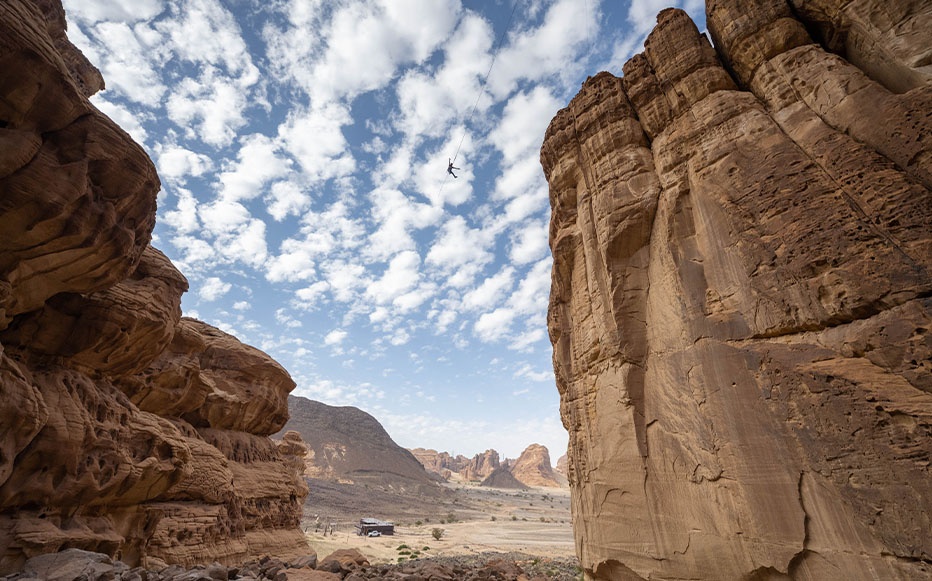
x=437 y=533
x=493 y=519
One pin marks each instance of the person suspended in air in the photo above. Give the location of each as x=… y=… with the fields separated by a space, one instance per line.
x=450 y=167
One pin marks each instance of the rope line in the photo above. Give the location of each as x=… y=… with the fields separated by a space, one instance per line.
x=495 y=49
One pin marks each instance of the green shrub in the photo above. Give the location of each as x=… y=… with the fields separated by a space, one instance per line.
x=402 y=546
x=437 y=533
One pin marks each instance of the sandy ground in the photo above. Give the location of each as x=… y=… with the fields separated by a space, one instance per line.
x=535 y=522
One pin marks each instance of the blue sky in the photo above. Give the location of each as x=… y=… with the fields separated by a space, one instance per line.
x=302 y=147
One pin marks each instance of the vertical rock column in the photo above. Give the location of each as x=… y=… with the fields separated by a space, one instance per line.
x=731 y=346
x=604 y=194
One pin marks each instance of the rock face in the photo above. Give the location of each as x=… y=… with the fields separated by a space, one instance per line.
x=740 y=302
x=439 y=463
x=533 y=467
x=481 y=466
x=348 y=445
x=124 y=428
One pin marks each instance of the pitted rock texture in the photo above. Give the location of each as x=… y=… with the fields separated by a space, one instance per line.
x=124 y=428
x=740 y=303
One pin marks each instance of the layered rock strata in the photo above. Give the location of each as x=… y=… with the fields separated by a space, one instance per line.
x=740 y=303
x=125 y=429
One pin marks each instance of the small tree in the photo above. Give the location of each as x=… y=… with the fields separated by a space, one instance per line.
x=437 y=533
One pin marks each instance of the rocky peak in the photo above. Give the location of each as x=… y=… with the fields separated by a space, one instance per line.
x=481 y=466
x=533 y=467
x=347 y=444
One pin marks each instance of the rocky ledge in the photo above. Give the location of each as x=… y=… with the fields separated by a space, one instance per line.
x=126 y=429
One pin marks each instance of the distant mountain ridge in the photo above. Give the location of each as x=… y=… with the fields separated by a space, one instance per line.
x=532 y=468
x=346 y=444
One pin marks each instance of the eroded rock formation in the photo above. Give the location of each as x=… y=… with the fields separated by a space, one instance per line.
x=533 y=467
x=125 y=429
x=481 y=466
x=740 y=303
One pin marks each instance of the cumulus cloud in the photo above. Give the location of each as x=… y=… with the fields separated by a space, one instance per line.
x=213 y=288
x=176 y=162
x=335 y=337
x=92 y=11
x=257 y=164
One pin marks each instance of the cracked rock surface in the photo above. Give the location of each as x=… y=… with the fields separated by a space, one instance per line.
x=740 y=306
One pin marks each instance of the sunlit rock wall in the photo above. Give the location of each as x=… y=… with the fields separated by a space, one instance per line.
x=740 y=303
x=124 y=428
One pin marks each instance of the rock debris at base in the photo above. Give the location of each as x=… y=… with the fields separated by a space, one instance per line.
x=345 y=564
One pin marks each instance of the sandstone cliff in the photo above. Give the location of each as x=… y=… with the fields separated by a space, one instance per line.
x=533 y=467
x=440 y=463
x=125 y=429
x=740 y=302
x=348 y=445
x=481 y=466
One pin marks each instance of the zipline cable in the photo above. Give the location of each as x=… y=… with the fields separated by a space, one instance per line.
x=495 y=49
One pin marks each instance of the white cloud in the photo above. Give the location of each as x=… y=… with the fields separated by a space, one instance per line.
x=396 y=215
x=209 y=108
x=115 y=10
x=314 y=137
x=345 y=279
x=213 y=288
x=242 y=306
x=122 y=116
x=367 y=41
x=130 y=64
x=257 y=164
x=491 y=327
x=177 y=162
x=459 y=245
x=284 y=318
x=528 y=372
x=548 y=50
x=184 y=217
x=529 y=242
x=335 y=337
x=490 y=291
x=204 y=32
x=287 y=199
x=401 y=276
x=338 y=394
x=194 y=251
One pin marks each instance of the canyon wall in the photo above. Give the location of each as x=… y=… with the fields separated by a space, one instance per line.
x=740 y=302
x=126 y=429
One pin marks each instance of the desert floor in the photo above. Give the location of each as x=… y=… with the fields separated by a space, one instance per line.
x=474 y=520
